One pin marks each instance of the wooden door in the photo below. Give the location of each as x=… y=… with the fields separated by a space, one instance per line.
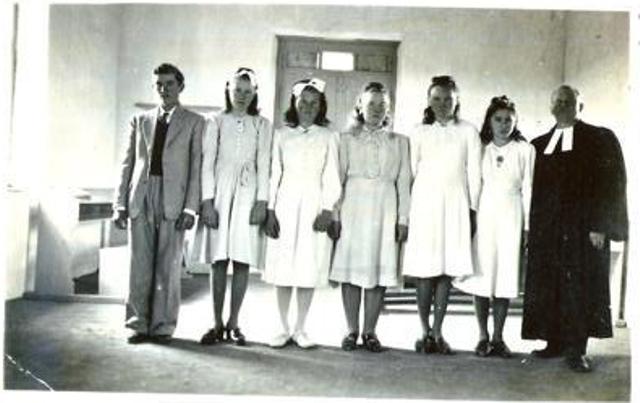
x=300 y=58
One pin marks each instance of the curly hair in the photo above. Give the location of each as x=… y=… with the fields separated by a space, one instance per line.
x=499 y=103
x=167 y=68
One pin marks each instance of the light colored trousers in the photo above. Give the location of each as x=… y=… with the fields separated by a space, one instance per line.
x=154 y=280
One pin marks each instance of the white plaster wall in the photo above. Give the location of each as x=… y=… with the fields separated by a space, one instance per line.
x=597 y=63
x=518 y=53
x=15 y=232
x=83 y=71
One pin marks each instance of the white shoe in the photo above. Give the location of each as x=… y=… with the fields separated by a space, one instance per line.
x=280 y=340
x=302 y=340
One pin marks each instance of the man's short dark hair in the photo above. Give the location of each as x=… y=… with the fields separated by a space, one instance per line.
x=167 y=68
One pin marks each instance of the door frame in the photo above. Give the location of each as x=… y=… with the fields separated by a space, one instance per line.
x=286 y=43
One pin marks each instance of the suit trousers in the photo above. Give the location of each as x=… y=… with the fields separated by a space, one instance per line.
x=156 y=255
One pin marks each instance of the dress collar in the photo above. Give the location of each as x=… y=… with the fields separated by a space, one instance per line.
x=162 y=111
x=306 y=130
x=447 y=124
x=378 y=134
x=493 y=145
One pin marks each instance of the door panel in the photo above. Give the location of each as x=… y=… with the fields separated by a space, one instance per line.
x=349 y=87
x=374 y=60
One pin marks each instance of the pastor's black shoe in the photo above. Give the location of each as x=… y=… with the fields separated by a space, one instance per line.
x=552 y=350
x=161 y=339
x=579 y=363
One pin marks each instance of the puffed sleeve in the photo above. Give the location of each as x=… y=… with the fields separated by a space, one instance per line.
x=343 y=158
x=529 y=157
x=276 y=168
x=210 y=139
x=331 y=185
x=403 y=181
x=414 y=143
x=474 y=164
x=265 y=136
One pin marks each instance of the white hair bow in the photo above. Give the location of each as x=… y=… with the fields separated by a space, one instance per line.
x=316 y=83
x=242 y=72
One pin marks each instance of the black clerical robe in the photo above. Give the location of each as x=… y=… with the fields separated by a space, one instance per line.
x=574 y=192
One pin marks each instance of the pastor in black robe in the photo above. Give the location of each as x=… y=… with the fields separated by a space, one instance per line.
x=567 y=279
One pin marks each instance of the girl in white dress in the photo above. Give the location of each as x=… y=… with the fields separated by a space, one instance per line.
x=304 y=188
x=235 y=180
x=503 y=213
x=373 y=214
x=445 y=160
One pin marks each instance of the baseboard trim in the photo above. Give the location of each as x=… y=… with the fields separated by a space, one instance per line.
x=85 y=298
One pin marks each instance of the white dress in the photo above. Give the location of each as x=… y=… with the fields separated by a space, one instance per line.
x=503 y=211
x=235 y=173
x=445 y=160
x=304 y=181
x=376 y=175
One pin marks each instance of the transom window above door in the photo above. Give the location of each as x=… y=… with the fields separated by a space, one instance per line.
x=339 y=61
x=342 y=61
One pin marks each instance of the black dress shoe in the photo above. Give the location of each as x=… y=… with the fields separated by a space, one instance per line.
x=427 y=345
x=483 y=348
x=551 y=351
x=236 y=336
x=442 y=347
x=213 y=336
x=500 y=349
x=371 y=343
x=350 y=342
x=161 y=339
x=138 y=338
x=578 y=363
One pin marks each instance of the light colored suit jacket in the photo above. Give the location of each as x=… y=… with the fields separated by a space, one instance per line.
x=181 y=160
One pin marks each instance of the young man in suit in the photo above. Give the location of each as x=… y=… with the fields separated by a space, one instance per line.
x=159 y=193
x=578 y=204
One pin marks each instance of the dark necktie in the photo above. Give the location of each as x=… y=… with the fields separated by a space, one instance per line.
x=162 y=126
